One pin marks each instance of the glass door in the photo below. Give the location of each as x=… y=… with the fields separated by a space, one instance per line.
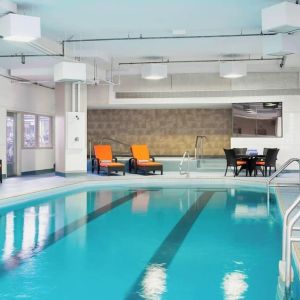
x=11 y=144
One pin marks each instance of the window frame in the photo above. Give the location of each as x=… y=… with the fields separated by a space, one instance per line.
x=51 y=131
x=37 y=131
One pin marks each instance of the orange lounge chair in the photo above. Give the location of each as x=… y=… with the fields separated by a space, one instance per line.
x=104 y=160
x=141 y=160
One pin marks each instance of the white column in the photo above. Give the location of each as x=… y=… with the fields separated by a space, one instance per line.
x=70 y=158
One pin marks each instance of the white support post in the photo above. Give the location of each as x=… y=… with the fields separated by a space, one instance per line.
x=73 y=97
x=78 y=96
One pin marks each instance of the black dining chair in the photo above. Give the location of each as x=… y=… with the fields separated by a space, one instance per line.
x=266 y=150
x=268 y=162
x=240 y=151
x=232 y=161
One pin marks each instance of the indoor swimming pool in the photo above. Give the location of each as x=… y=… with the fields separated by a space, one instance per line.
x=142 y=243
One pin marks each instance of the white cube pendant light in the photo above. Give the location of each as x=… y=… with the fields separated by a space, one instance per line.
x=283 y=17
x=154 y=71
x=233 y=69
x=69 y=71
x=281 y=44
x=20 y=28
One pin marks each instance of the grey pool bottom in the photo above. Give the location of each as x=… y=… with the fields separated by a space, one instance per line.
x=172 y=243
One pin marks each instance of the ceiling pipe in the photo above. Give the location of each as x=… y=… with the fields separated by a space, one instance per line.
x=141 y=37
x=62 y=54
x=283 y=61
x=200 y=61
x=21 y=80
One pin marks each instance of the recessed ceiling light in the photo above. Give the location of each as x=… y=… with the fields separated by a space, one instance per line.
x=179 y=32
x=18 y=38
x=233 y=69
x=154 y=71
x=270 y=104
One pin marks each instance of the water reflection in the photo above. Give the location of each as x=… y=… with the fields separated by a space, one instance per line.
x=252 y=212
x=234 y=285
x=28 y=230
x=103 y=198
x=154 y=282
x=9 y=236
x=43 y=228
x=140 y=201
x=248 y=205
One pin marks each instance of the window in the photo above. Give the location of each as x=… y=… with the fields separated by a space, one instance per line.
x=29 y=131
x=45 y=131
x=37 y=131
x=257 y=119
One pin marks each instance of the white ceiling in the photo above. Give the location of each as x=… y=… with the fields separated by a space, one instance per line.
x=78 y=19
x=94 y=18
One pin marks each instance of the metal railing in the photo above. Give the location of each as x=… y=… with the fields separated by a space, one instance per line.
x=113 y=140
x=185 y=156
x=201 y=138
x=285 y=269
x=103 y=139
x=279 y=171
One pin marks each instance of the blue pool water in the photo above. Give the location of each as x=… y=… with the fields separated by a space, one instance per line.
x=154 y=243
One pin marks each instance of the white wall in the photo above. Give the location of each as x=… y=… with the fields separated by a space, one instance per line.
x=18 y=97
x=285 y=87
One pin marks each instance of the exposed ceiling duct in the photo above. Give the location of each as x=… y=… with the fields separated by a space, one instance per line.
x=33 y=74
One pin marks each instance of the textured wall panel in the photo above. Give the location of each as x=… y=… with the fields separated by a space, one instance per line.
x=166 y=131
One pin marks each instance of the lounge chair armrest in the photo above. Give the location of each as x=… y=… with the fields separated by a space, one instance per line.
x=115 y=159
x=132 y=161
x=152 y=158
x=132 y=164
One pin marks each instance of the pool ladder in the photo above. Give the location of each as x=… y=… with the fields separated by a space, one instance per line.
x=291 y=216
x=288 y=237
x=185 y=157
x=279 y=171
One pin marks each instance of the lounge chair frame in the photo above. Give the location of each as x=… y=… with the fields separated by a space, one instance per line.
x=96 y=163
x=133 y=166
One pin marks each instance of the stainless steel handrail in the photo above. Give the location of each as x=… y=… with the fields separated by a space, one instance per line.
x=279 y=171
x=201 y=137
x=106 y=139
x=285 y=268
x=114 y=140
x=187 y=172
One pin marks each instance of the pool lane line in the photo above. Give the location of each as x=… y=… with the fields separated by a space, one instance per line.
x=171 y=244
x=22 y=256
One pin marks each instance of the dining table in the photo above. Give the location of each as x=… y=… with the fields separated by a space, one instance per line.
x=251 y=160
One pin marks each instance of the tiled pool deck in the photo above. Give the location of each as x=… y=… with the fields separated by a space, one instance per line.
x=17 y=186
